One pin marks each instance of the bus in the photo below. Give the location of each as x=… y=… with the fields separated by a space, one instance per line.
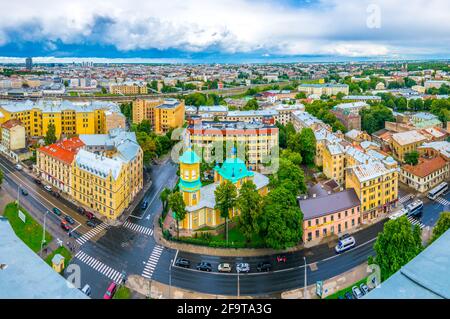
x=438 y=191
x=415 y=207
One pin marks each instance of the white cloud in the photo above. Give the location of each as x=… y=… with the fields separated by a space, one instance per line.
x=323 y=27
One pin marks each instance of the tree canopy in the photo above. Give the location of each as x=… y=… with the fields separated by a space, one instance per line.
x=50 y=136
x=249 y=203
x=442 y=225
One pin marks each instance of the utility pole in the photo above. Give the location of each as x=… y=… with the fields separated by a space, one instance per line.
x=238 y=286
x=170 y=278
x=43 y=232
x=305 y=289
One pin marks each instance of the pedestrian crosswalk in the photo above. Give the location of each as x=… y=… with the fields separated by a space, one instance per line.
x=415 y=221
x=442 y=201
x=138 y=228
x=152 y=262
x=97 y=265
x=405 y=198
x=90 y=234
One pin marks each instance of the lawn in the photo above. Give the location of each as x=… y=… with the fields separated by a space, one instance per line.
x=62 y=251
x=122 y=293
x=30 y=232
x=236 y=236
x=348 y=289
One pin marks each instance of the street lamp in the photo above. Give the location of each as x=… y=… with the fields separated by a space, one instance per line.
x=43 y=231
x=305 y=289
x=238 y=286
x=170 y=278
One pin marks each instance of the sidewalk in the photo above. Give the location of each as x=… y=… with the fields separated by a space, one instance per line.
x=330 y=286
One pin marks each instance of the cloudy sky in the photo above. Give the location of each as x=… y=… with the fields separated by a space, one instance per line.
x=225 y=30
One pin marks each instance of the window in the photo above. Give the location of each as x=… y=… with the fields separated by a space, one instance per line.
x=317 y=234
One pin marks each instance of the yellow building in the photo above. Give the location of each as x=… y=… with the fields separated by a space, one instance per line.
x=376 y=185
x=325 y=88
x=69 y=118
x=103 y=172
x=128 y=89
x=406 y=142
x=200 y=200
x=162 y=114
x=334 y=162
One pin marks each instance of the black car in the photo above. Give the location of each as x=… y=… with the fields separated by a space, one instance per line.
x=204 y=266
x=74 y=234
x=90 y=223
x=183 y=262
x=37 y=181
x=80 y=210
x=24 y=191
x=69 y=219
x=144 y=204
x=264 y=266
x=56 y=194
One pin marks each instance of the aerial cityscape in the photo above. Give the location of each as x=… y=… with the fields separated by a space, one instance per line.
x=151 y=156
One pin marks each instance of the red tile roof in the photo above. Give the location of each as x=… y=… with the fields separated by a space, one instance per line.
x=426 y=166
x=64 y=151
x=11 y=123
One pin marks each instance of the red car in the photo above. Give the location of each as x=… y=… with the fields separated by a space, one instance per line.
x=89 y=215
x=281 y=259
x=64 y=225
x=110 y=291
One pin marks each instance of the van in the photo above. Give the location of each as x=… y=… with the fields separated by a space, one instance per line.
x=86 y=290
x=345 y=244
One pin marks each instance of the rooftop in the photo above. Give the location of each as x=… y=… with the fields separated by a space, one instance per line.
x=26 y=275
x=98 y=165
x=442 y=147
x=426 y=166
x=65 y=150
x=324 y=205
x=56 y=106
x=11 y=123
x=371 y=170
x=424 y=277
x=408 y=137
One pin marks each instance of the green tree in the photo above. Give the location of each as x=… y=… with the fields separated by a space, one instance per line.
x=292 y=156
x=249 y=203
x=164 y=196
x=412 y=158
x=290 y=176
x=177 y=205
x=1 y=177
x=307 y=145
x=281 y=220
x=442 y=225
x=373 y=118
x=50 y=136
x=300 y=95
x=251 y=105
x=396 y=245
x=226 y=195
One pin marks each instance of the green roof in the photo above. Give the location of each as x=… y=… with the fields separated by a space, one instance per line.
x=190 y=186
x=233 y=169
x=189 y=157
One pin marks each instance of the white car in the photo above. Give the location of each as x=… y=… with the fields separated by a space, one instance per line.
x=345 y=244
x=19 y=167
x=86 y=290
x=242 y=267
x=224 y=267
x=357 y=292
x=48 y=188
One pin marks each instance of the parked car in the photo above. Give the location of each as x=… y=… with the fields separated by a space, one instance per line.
x=80 y=210
x=90 y=223
x=363 y=287
x=264 y=266
x=224 y=267
x=343 y=236
x=345 y=244
x=56 y=211
x=74 y=234
x=110 y=291
x=24 y=191
x=356 y=292
x=204 y=266
x=242 y=267
x=69 y=219
x=48 y=188
x=348 y=295
x=37 y=181
x=89 y=214
x=281 y=259
x=64 y=225
x=19 y=167
x=56 y=194
x=144 y=204
x=183 y=262
x=86 y=290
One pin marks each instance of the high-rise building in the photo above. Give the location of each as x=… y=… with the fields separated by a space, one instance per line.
x=28 y=63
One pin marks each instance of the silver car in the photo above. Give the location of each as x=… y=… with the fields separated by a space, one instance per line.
x=242 y=267
x=224 y=267
x=357 y=293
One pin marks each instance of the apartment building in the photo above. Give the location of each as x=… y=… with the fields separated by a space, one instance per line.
x=162 y=114
x=326 y=88
x=348 y=114
x=103 y=172
x=128 y=89
x=406 y=142
x=69 y=118
x=334 y=214
x=376 y=185
x=13 y=135
x=258 y=140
